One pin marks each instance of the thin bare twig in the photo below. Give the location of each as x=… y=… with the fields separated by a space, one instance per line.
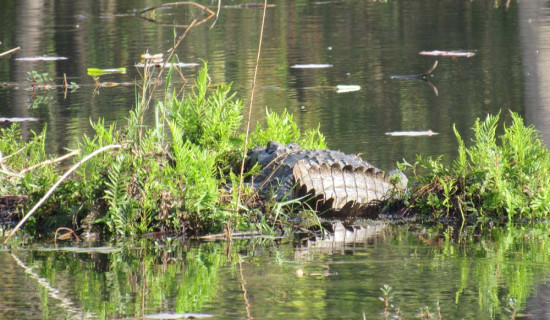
x=217 y=14
x=245 y=149
x=52 y=189
x=58 y=159
x=16 y=152
x=11 y=174
x=9 y=51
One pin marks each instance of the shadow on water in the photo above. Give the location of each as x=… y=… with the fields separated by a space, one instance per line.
x=469 y=276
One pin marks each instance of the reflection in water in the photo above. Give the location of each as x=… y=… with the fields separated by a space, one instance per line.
x=534 y=22
x=339 y=238
x=365 y=42
x=472 y=277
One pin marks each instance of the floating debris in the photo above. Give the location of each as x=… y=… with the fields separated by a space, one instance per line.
x=16 y=119
x=178 y=316
x=42 y=58
x=341 y=88
x=95 y=72
x=411 y=133
x=312 y=66
x=452 y=54
x=169 y=64
x=154 y=58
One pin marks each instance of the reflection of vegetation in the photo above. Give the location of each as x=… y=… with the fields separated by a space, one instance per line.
x=463 y=276
x=509 y=180
x=143 y=278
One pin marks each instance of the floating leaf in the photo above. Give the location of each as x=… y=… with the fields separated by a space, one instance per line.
x=95 y=72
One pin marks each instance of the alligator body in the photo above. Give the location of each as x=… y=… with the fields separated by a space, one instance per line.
x=337 y=182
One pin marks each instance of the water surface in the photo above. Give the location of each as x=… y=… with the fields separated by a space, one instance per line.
x=366 y=42
x=469 y=278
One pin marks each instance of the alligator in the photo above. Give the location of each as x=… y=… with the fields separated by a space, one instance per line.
x=341 y=183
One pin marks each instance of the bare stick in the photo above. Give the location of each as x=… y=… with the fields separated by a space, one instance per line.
x=66 y=85
x=245 y=149
x=52 y=189
x=217 y=14
x=58 y=159
x=9 y=51
x=16 y=152
x=11 y=174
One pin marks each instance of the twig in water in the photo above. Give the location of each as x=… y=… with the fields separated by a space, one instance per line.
x=66 y=85
x=9 y=51
x=52 y=189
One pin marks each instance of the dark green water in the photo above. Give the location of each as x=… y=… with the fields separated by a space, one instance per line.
x=470 y=278
x=366 y=42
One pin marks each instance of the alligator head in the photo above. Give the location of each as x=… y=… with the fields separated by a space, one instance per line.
x=265 y=155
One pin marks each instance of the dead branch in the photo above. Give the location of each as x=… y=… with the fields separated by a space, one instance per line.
x=58 y=159
x=52 y=189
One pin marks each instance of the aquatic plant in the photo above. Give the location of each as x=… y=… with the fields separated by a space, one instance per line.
x=386 y=298
x=509 y=180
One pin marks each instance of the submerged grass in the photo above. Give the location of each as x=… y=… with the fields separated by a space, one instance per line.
x=508 y=181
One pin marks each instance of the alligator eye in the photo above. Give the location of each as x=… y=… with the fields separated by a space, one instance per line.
x=272 y=146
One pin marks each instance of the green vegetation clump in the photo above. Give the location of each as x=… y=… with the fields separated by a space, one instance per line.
x=173 y=175
x=509 y=180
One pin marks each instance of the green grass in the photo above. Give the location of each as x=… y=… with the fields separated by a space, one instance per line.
x=171 y=176
x=505 y=178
